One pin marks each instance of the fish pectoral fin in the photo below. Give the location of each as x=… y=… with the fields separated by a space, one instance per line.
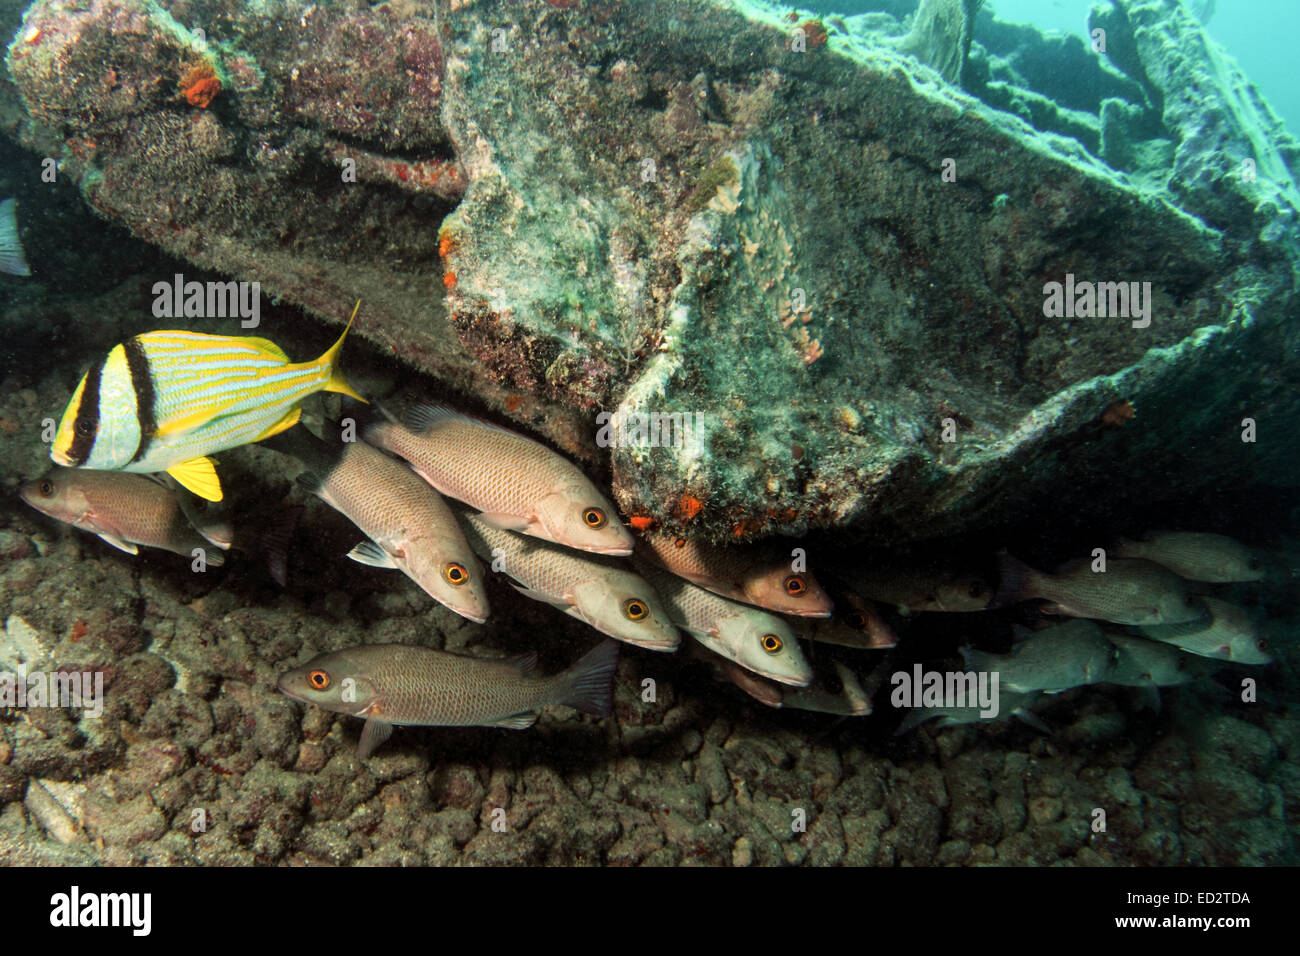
x=504 y=522
x=198 y=475
x=526 y=662
x=374 y=733
x=517 y=722
x=175 y=427
x=561 y=601
x=282 y=425
x=369 y=553
x=121 y=545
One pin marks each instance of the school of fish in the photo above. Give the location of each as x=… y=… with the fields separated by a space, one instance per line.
x=135 y=444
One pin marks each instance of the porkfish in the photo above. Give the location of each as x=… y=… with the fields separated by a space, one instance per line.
x=164 y=401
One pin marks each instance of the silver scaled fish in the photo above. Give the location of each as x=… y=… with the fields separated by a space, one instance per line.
x=1212 y=558
x=395 y=684
x=409 y=526
x=518 y=484
x=1068 y=655
x=1140 y=662
x=1226 y=633
x=1129 y=591
x=164 y=401
x=1010 y=704
x=753 y=638
x=753 y=576
x=916 y=589
x=126 y=510
x=599 y=591
x=853 y=623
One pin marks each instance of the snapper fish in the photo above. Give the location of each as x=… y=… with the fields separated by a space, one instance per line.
x=1073 y=654
x=1144 y=663
x=12 y=260
x=408 y=524
x=397 y=684
x=516 y=483
x=1010 y=704
x=1226 y=633
x=753 y=576
x=1212 y=558
x=854 y=623
x=1130 y=591
x=126 y=510
x=912 y=589
x=599 y=591
x=164 y=401
x=753 y=638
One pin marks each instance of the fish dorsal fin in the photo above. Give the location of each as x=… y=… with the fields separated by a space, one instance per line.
x=266 y=347
x=374 y=733
x=282 y=425
x=121 y=545
x=517 y=722
x=198 y=475
x=369 y=553
x=427 y=415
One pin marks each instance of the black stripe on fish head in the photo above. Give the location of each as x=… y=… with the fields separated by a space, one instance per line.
x=86 y=425
x=142 y=382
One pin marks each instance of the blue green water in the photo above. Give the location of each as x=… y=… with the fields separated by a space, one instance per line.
x=1260 y=34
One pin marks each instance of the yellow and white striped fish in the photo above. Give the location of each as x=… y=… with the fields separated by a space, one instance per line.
x=163 y=401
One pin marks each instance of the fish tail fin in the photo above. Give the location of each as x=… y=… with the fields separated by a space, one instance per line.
x=337 y=382
x=1015 y=580
x=275 y=543
x=589 y=684
x=12 y=260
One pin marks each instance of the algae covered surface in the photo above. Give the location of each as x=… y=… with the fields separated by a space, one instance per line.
x=827 y=244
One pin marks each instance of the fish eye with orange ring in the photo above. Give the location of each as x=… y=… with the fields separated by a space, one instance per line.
x=795 y=585
x=594 y=518
x=635 y=609
x=456 y=574
x=772 y=644
x=319 y=680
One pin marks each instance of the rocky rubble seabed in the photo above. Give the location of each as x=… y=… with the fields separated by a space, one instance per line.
x=1112 y=177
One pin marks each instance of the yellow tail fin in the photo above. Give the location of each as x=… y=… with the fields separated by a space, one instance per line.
x=337 y=383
